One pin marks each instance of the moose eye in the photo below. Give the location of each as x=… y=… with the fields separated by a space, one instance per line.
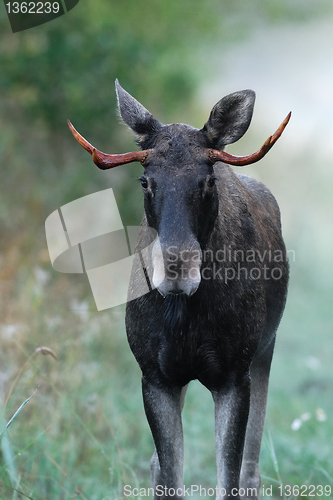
x=144 y=182
x=211 y=182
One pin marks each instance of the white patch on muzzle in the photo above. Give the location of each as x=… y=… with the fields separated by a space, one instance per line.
x=176 y=270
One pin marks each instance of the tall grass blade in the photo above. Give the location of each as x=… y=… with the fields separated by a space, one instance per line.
x=271 y=449
x=17 y=412
x=325 y=473
x=22 y=493
x=6 y=447
x=8 y=457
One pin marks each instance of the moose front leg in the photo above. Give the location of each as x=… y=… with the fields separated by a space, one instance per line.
x=231 y=415
x=250 y=476
x=163 y=410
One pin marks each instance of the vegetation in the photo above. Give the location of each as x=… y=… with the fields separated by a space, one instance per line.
x=83 y=433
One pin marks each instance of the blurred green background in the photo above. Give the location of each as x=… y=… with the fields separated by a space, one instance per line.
x=83 y=434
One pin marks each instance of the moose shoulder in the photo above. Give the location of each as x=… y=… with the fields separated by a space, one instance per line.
x=218 y=276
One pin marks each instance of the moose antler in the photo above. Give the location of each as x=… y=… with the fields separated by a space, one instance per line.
x=215 y=155
x=103 y=160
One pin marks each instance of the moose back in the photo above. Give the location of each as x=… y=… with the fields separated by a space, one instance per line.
x=217 y=275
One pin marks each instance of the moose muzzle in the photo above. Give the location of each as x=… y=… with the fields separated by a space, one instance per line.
x=176 y=268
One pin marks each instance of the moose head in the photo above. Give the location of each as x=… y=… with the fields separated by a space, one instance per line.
x=179 y=180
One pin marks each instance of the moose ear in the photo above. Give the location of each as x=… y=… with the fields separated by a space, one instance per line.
x=136 y=116
x=229 y=119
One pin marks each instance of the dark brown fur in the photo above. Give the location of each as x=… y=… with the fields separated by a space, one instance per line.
x=220 y=331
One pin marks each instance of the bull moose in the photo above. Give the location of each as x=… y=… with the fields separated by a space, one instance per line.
x=218 y=277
